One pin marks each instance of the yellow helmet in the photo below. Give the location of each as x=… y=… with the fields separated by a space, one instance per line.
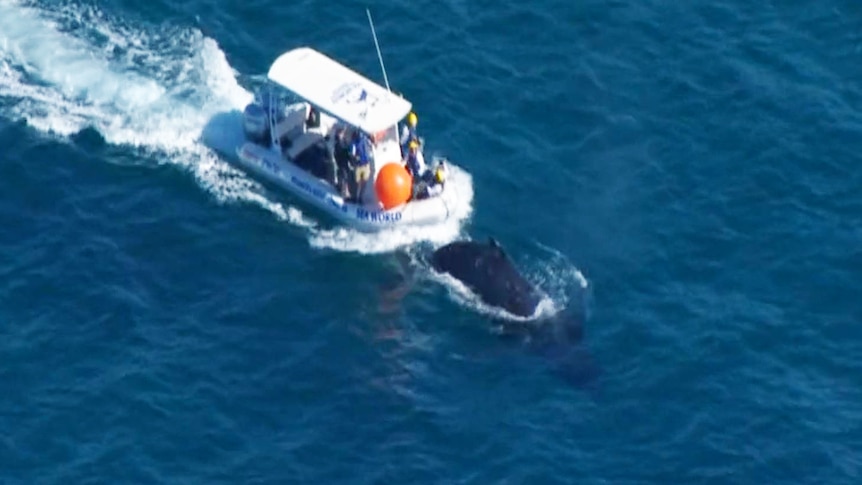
x=440 y=174
x=412 y=119
x=414 y=144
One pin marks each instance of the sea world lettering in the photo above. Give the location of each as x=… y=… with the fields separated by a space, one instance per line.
x=336 y=204
x=317 y=192
x=269 y=164
x=262 y=161
x=377 y=216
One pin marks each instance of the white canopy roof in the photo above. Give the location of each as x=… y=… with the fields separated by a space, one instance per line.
x=338 y=90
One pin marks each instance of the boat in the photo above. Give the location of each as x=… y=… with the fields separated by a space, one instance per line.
x=292 y=127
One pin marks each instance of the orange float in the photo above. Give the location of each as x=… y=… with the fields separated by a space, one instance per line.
x=393 y=185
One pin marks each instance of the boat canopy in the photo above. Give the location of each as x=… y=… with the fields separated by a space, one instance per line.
x=338 y=90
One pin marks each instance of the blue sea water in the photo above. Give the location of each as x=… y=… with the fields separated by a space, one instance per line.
x=687 y=171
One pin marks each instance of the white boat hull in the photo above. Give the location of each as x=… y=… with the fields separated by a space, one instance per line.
x=283 y=141
x=271 y=165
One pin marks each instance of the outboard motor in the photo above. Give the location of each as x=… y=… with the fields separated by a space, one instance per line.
x=255 y=123
x=271 y=102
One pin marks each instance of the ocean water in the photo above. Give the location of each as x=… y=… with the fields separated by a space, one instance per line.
x=686 y=174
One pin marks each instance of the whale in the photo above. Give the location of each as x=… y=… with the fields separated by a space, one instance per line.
x=486 y=269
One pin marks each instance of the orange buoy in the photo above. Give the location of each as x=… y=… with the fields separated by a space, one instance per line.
x=393 y=185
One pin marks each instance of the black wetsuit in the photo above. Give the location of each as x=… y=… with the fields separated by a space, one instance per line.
x=341 y=153
x=313 y=120
x=342 y=156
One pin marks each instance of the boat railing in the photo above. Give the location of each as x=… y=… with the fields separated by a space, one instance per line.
x=273 y=109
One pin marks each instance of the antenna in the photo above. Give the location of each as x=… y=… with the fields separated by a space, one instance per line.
x=379 y=56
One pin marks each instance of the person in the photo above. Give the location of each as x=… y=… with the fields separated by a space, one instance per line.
x=408 y=133
x=313 y=118
x=341 y=153
x=433 y=183
x=360 y=154
x=415 y=162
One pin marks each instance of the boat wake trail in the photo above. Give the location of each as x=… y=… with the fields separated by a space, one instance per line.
x=64 y=70
x=72 y=69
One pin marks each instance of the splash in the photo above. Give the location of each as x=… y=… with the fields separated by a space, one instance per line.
x=149 y=90
x=558 y=276
x=69 y=68
x=465 y=297
x=152 y=91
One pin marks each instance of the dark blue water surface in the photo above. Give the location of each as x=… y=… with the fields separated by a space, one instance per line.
x=688 y=172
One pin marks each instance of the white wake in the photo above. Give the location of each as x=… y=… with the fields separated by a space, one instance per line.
x=68 y=68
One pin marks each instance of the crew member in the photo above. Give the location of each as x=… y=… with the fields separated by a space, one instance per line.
x=408 y=133
x=313 y=118
x=360 y=155
x=341 y=153
x=415 y=161
x=433 y=183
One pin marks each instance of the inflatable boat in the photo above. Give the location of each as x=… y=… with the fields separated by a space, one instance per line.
x=310 y=111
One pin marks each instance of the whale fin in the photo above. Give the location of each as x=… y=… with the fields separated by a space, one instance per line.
x=496 y=245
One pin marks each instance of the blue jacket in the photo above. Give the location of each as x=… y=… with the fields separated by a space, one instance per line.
x=360 y=150
x=413 y=164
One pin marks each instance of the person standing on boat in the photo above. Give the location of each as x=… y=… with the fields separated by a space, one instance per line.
x=360 y=154
x=415 y=161
x=341 y=153
x=313 y=118
x=408 y=133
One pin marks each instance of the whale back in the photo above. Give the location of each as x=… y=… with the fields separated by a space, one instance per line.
x=486 y=269
x=489 y=273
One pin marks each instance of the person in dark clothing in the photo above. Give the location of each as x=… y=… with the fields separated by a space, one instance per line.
x=432 y=183
x=313 y=119
x=341 y=153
